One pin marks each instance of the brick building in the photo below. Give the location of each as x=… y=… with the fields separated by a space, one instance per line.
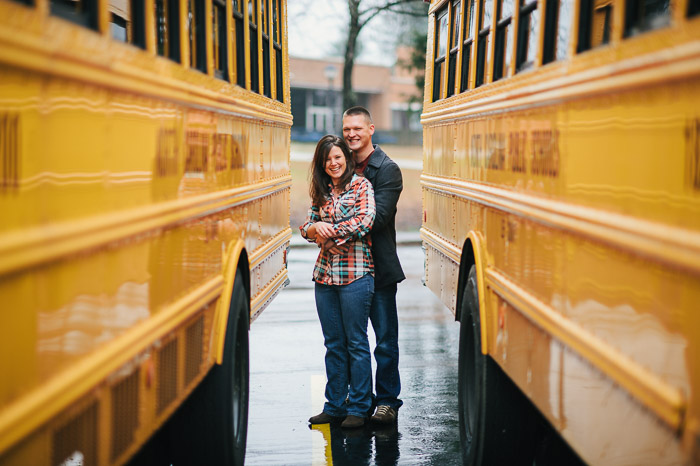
x=386 y=91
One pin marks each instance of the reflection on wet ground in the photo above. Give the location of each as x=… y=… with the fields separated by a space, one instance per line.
x=288 y=380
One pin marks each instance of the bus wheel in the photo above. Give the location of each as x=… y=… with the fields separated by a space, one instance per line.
x=216 y=416
x=494 y=424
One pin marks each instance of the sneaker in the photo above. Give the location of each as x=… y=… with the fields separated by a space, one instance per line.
x=353 y=422
x=385 y=415
x=325 y=418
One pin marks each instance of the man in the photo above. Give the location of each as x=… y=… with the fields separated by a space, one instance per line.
x=385 y=176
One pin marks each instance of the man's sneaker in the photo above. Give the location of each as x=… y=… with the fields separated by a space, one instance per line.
x=324 y=418
x=353 y=422
x=385 y=415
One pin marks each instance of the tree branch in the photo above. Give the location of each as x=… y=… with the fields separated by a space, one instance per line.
x=367 y=15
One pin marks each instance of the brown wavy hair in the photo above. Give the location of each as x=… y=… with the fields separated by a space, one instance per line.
x=318 y=188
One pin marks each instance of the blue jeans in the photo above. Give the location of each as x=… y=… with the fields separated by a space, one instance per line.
x=344 y=311
x=385 y=322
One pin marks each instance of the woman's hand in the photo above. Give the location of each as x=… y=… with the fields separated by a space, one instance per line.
x=324 y=230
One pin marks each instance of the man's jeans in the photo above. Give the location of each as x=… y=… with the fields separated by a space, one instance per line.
x=343 y=311
x=385 y=321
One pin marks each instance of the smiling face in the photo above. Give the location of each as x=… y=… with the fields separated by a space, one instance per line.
x=357 y=132
x=335 y=164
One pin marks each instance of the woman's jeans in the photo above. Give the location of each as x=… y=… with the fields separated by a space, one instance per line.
x=344 y=312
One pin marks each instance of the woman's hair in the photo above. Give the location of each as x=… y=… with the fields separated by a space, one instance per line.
x=318 y=188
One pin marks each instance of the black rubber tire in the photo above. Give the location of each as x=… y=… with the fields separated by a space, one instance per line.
x=213 y=424
x=495 y=422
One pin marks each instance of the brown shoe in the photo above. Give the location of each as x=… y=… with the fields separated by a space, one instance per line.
x=353 y=422
x=385 y=415
x=324 y=418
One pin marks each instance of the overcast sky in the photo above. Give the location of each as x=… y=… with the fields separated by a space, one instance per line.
x=316 y=27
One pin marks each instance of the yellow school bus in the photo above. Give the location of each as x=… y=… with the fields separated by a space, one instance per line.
x=144 y=220
x=561 y=193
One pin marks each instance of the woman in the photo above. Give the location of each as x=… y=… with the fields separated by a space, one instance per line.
x=341 y=215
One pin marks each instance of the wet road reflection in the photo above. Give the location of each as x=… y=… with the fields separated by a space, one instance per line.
x=288 y=379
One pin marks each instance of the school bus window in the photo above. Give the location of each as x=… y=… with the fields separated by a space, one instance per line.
x=196 y=26
x=528 y=32
x=219 y=39
x=137 y=9
x=253 y=21
x=468 y=37
x=646 y=15
x=267 y=88
x=595 y=22
x=277 y=44
x=117 y=28
x=693 y=7
x=82 y=12
x=440 y=52
x=482 y=50
x=168 y=28
x=456 y=15
x=504 y=39
x=239 y=50
x=557 y=28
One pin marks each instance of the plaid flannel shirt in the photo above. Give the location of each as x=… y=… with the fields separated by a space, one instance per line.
x=352 y=215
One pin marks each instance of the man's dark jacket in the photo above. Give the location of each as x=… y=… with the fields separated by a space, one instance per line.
x=387 y=182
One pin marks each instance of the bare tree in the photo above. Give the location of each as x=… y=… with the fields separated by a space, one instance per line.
x=361 y=13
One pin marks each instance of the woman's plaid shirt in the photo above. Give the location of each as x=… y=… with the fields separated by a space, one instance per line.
x=352 y=215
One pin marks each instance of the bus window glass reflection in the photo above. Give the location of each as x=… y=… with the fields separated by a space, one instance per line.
x=646 y=15
x=528 y=34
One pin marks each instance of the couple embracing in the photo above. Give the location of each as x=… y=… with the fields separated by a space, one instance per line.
x=354 y=190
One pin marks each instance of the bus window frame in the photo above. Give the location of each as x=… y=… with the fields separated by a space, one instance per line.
x=467 y=41
x=220 y=42
x=277 y=47
x=197 y=27
x=586 y=24
x=637 y=22
x=440 y=60
x=254 y=41
x=265 y=16
x=483 y=42
x=238 y=36
x=69 y=10
x=527 y=8
x=504 y=38
x=454 y=25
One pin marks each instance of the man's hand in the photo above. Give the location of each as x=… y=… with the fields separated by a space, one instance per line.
x=330 y=246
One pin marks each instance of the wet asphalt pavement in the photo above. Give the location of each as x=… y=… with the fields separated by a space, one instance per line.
x=287 y=380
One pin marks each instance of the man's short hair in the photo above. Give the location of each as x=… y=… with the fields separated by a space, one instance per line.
x=358 y=110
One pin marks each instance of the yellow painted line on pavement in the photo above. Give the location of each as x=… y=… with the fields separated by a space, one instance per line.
x=321 y=453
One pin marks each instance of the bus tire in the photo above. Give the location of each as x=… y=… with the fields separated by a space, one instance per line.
x=495 y=425
x=216 y=416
